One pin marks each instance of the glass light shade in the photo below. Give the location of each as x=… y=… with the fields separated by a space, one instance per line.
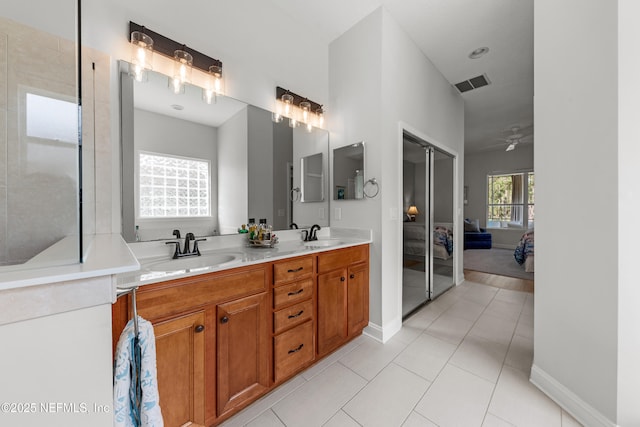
x=320 y=117
x=293 y=122
x=213 y=85
x=141 y=55
x=309 y=127
x=305 y=108
x=182 y=68
x=287 y=100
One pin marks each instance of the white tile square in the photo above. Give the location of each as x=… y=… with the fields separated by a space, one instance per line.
x=466 y=309
x=491 y=420
x=423 y=318
x=369 y=358
x=319 y=399
x=480 y=357
x=504 y=309
x=493 y=328
x=524 y=329
x=456 y=398
x=266 y=419
x=520 y=355
x=417 y=420
x=426 y=356
x=340 y=419
x=450 y=328
x=519 y=402
x=482 y=294
x=517 y=298
x=388 y=399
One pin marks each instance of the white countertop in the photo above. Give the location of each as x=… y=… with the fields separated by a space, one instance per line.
x=105 y=254
x=156 y=263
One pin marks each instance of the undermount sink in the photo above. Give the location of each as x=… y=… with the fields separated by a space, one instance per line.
x=323 y=243
x=194 y=262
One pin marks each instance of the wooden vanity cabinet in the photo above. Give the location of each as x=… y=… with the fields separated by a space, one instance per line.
x=343 y=296
x=212 y=341
x=224 y=339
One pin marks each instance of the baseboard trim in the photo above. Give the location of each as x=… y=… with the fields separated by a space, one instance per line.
x=568 y=400
x=384 y=333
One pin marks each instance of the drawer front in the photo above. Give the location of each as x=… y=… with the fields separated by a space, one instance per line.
x=292 y=293
x=291 y=270
x=294 y=315
x=293 y=350
x=178 y=296
x=331 y=260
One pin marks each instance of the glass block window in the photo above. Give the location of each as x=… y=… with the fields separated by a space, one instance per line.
x=173 y=186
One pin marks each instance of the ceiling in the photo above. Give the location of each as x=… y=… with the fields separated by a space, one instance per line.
x=447 y=31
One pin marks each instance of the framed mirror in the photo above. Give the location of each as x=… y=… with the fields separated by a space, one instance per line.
x=348 y=172
x=207 y=169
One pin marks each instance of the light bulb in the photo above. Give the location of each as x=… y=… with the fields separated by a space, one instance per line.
x=182 y=67
x=141 y=55
x=320 y=117
x=306 y=108
x=287 y=100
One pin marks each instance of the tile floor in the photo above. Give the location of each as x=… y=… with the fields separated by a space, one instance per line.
x=463 y=360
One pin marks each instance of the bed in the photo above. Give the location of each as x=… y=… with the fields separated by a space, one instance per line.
x=414 y=238
x=524 y=253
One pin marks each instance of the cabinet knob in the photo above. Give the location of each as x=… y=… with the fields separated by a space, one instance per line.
x=342 y=279
x=199 y=328
x=224 y=319
x=352 y=276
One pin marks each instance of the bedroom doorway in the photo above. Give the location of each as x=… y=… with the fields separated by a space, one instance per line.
x=428 y=256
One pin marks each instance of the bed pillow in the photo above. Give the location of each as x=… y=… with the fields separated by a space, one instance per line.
x=472 y=225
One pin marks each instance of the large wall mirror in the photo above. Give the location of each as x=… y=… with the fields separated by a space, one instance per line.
x=208 y=168
x=348 y=172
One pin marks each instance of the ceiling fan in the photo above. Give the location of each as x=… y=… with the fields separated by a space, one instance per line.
x=515 y=138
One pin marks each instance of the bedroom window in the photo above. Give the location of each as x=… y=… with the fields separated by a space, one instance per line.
x=171 y=186
x=510 y=200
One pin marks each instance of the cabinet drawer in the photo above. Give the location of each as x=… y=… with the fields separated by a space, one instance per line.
x=292 y=293
x=290 y=270
x=294 y=315
x=331 y=260
x=293 y=350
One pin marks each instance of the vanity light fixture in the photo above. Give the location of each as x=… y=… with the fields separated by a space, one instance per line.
x=141 y=55
x=298 y=110
x=185 y=59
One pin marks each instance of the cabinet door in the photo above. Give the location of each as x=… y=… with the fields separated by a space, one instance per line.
x=332 y=310
x=358 y=298
x=180 y=356
x=243 y=351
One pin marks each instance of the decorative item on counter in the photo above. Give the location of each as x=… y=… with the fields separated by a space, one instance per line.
x=243 y=229
x=262 y=236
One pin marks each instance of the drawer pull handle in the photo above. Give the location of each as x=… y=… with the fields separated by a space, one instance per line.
x=342 y=279
x=199 y=328
x=299 y=291
x=295 y=270
x=224 y=319
x=295 y=350
x=293 y=316
x=352 y=276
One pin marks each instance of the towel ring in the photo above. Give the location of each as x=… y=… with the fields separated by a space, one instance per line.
x=374 y=183
x=297 y=195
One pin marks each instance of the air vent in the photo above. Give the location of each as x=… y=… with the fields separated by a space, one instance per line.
x=473 y=83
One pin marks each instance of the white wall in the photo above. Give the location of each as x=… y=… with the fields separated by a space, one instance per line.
x=578 y=284
x=370 y=102
x=477 y=166
x=160 y=134
x=63 y=358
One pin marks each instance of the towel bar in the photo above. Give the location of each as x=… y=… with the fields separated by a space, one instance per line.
x=125 y=291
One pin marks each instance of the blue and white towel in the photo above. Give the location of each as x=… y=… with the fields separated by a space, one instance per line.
x=136 y=363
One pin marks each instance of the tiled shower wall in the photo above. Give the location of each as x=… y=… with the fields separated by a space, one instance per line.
x=38 y=178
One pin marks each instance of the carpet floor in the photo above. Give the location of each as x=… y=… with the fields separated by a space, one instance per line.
x=495 y=261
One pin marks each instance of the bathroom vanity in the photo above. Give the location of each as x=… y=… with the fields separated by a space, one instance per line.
x=230 y=334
